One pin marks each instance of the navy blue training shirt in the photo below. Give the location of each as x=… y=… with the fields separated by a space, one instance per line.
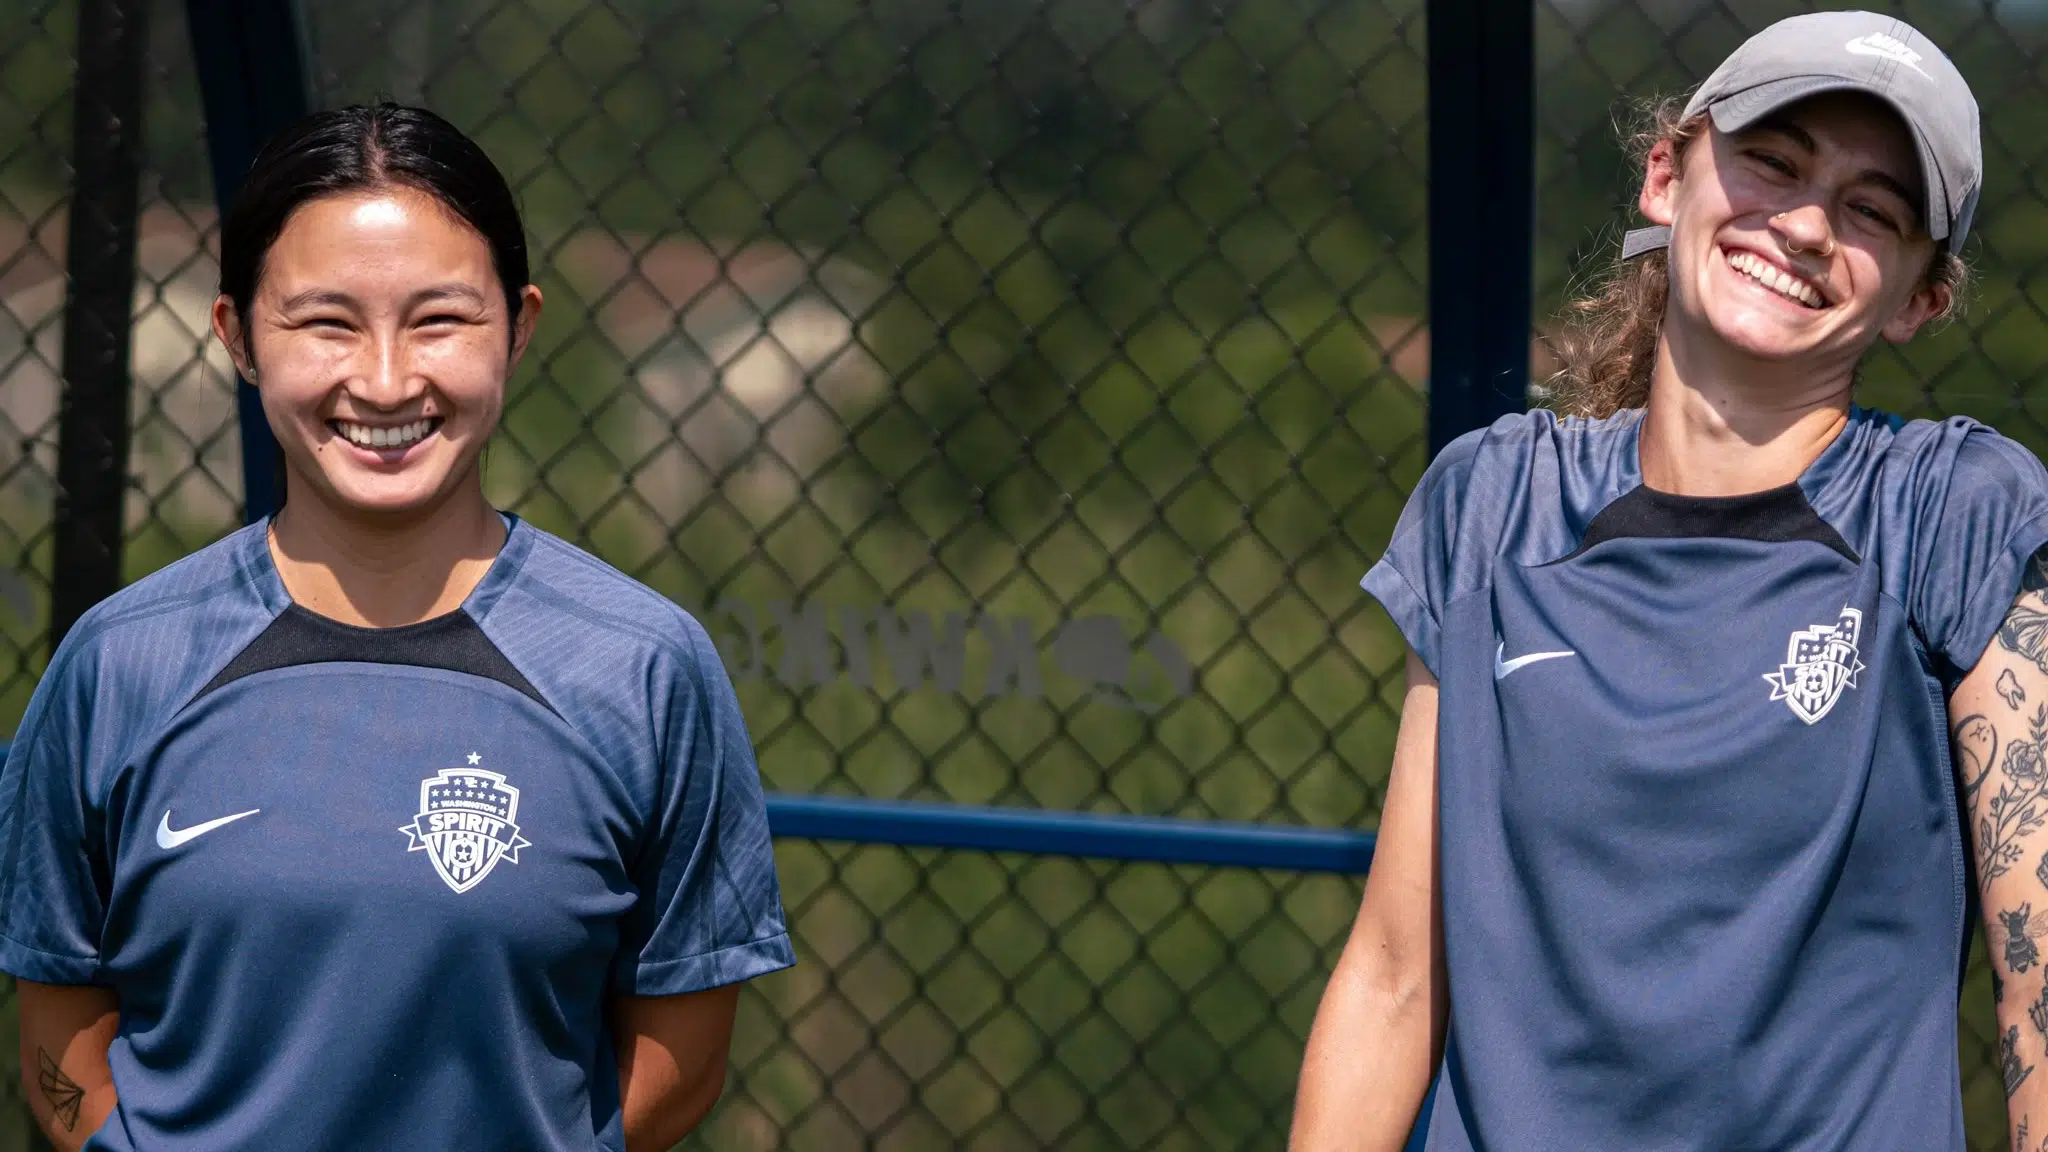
x=1703 y=876
x=365 y=888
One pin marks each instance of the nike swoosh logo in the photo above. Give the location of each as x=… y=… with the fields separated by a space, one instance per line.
x=1861 y=49
x=166 y=837
x=1502 y=668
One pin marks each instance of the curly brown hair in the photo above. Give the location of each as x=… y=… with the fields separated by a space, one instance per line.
x=1606 y=345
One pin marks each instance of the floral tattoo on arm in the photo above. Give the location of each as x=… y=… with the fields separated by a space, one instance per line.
x=2018 y=808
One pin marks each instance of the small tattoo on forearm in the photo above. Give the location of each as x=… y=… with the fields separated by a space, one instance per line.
x=2038 y=1013
x=2009 y=687
x=2009 y=1061
x=2016 y=932
x=63 y=1093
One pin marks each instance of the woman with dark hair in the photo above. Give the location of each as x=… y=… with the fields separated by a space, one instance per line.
x=391 y=821
x=1674 y=855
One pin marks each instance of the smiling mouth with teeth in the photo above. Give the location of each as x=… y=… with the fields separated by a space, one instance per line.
x=1776 y=279
x=385 y=438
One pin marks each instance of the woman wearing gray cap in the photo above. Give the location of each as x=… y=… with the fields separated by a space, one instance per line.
x=1727 y=698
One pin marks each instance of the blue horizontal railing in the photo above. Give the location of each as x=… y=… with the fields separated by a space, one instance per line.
x=1047 y=833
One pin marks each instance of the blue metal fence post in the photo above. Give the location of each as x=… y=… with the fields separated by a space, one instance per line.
x=1482 y=228
x=1482 y=191
x=99 y=298
x=253 y=83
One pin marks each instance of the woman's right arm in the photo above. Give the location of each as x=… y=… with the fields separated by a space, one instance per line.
x=1379 y=1031
x=65 y=1031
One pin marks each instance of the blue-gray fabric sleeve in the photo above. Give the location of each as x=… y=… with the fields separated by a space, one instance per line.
x=710 y=908
x=1414 y=578
x=1987 y=521
x=52 y=902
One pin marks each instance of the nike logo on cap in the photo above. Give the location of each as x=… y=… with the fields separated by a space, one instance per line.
x=1878 y=44
x=1502 y=668
x=168 y=838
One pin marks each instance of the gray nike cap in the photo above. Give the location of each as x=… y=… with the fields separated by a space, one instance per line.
x=1884 y=56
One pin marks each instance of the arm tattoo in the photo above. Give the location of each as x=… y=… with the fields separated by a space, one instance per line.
x=2038 y=1013
x=2009 y=688
x=2017 y=809
x=1976 y=744
x=2016 y=932
x=63 y=1093
x=2009 y=1061
x=2025 y=630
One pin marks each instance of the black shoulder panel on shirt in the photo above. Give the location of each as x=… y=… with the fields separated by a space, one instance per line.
x=1775 y=515
x=452 y=642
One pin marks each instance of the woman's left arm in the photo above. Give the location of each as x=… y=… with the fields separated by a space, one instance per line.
x=672 y=1052
x=1998 y=718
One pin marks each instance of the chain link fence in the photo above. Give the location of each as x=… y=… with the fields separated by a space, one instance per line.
x=183 y=487
x=35 y=77
x=1017 y=392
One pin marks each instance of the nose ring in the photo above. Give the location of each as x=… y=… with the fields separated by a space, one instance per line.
x=1823 y=253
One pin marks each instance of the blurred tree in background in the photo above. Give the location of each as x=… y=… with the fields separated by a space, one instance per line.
x=1103 y=321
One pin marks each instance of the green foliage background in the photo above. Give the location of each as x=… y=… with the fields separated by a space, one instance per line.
x=1133 y=304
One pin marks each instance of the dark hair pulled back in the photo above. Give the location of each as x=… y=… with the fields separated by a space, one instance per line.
x=360 y=148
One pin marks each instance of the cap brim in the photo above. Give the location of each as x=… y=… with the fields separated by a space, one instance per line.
x=1740 y=110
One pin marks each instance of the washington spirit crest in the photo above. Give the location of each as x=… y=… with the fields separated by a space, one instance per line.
x=466 y=824
x=1819 y=663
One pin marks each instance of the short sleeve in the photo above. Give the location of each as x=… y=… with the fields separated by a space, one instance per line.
x=1974 y=537
x=709 y=909
x=52 y=895
x=1412 y=579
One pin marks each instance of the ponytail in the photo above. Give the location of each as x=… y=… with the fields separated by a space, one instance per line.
x=1607 y=347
